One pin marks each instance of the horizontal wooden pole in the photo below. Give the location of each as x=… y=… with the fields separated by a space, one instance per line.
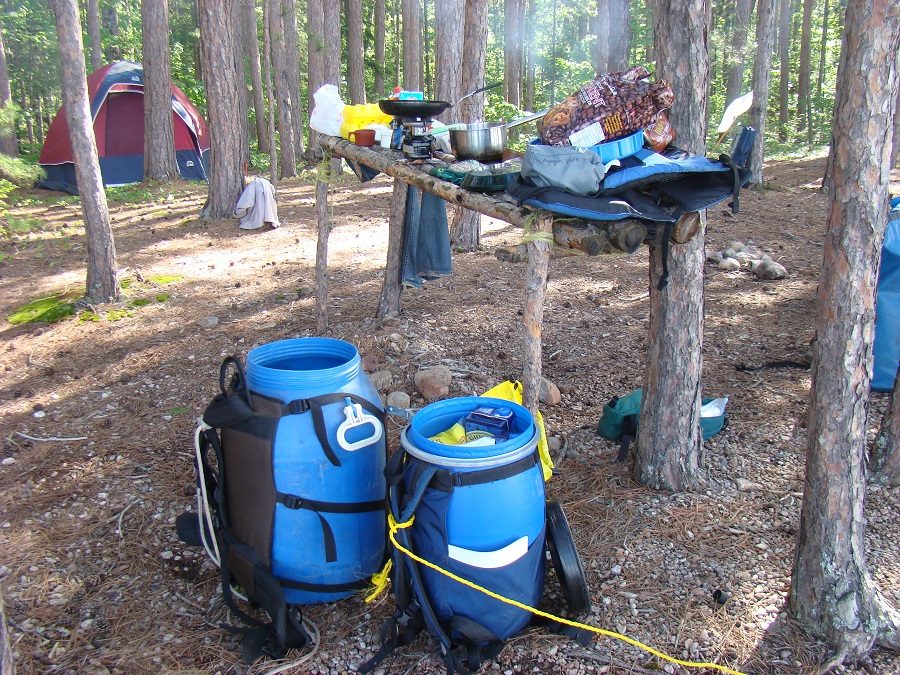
x=622 y=235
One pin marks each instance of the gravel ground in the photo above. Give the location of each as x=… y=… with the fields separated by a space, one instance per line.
x=95 y=580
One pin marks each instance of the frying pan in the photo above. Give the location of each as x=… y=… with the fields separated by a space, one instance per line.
x=424 y=109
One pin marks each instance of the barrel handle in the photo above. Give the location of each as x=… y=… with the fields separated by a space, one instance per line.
x=355 y=417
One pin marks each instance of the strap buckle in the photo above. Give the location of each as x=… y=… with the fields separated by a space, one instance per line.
x=298 y=407
x=291 y=501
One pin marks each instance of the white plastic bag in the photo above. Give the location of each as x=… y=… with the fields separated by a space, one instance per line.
x=328 y=111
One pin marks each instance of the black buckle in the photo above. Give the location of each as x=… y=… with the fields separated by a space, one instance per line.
x=291 y=501
x=298 y=407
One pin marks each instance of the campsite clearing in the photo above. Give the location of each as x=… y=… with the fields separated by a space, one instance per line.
x=98 y=417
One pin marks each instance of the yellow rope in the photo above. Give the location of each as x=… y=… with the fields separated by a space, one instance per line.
x=394 y=527
x=532 y=234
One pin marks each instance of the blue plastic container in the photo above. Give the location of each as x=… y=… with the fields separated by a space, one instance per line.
x=491 y=533
x=303 y=368
x=617 y=149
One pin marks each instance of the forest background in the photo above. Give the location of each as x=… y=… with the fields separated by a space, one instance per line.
x=543 y=49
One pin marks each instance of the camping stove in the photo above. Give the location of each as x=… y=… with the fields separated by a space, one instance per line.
x=416 y=142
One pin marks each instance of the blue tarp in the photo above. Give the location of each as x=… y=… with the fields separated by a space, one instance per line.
x=887 y=306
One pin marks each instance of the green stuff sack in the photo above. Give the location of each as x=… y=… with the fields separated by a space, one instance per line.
x=620 y=418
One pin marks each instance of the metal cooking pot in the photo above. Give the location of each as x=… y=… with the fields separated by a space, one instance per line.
x=484 y=141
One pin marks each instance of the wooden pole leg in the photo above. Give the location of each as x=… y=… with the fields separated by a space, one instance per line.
x=533 y=315
x=389 y=305
x=322 y=244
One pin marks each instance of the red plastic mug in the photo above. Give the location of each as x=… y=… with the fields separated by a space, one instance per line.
x=363 y=137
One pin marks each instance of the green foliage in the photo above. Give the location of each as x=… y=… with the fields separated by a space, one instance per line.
x=49 y=309
x=19 y=171
x=165 y=279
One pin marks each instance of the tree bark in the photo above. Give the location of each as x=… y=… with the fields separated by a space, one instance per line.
x=832 y=592
x=7 y=663
x=669 y=440
x=823 y=50
x=251 y=48
x=512 y=51
x=92 y=18
x=895 y=145
x=267 y=51
x=159 y=132
x=111 y=20
x=533 y=312
x=803 y=72
x=356 y=81
x=226 y=180
x=379 y=48
x=389 y=303
x=765 y=29
x=465 y=225
x=742 y=9
x=784 y=59
x=282 y=90
x=324 y=229
x=102 y=277
x=600 y=56
x=315 y=50
x=8 y=143
x=292 y=65
x=332 y=61
x=529 y=56
x=619 y=34
x=449 y=36
x=412 y=44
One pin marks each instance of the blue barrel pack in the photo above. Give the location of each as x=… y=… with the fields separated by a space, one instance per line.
x=479 y=513
x=299 y=488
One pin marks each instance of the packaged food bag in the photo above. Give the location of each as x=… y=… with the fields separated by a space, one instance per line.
x=609 y=107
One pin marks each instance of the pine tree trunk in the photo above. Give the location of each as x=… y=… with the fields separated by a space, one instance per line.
x=512 y=52
x=7 y=663
x=332 y=62
x=823 y=50
x=315 y=46
x=332 y=33
x=159 y=132
x=832 y=592
x=465 y=225
x=895 y=146
x=267 y=63
x=251 y=47
x=282 y=90
x=292 y=57
x=619 y=34
x=735 y=85
x=356 y=81
x=223 y=87
x=603 y=30
x=379 y=49
x=449 y=36
x=803 y=72
x=8 y=143
x=669 y=441
x=765 y=30
x=529 y=55
x=784 y=60
x=412 y=45
x=111 y=22
x=102 y=277
x=92 y=18
x=23 y=105
x=40 y=119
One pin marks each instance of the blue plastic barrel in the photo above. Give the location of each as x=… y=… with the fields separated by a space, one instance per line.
x=491 y=533
x=303 y=368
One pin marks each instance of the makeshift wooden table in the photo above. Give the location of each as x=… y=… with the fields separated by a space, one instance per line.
x=541 y=232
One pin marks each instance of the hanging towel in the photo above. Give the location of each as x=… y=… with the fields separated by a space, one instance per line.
x=257 y=205
x=426 y=239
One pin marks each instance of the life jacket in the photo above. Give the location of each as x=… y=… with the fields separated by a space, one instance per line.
x=250 y=522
